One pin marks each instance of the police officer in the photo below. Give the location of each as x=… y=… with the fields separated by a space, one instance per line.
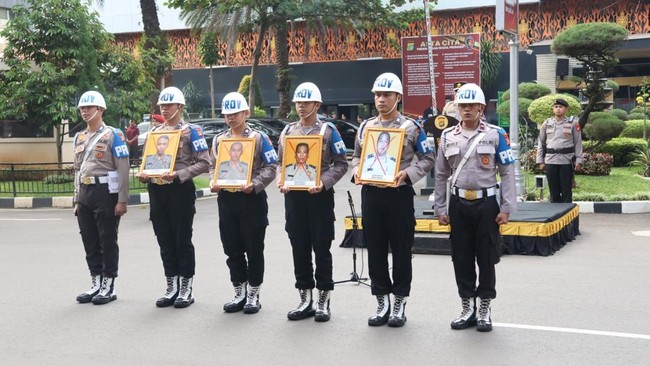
x=450 y=108
x=243 y=212
x=300 y=171
x=310 y=213
x=474 y=213
x=379 y=165
x=172 y=198
x=234 y=168
x=560 y=151
x=101 y=163
x=388 y=211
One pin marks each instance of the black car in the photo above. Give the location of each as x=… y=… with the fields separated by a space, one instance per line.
x=277 y=123
x=348 y=131
x=214 y=126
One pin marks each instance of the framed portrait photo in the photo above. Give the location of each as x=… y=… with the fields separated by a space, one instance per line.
x=234 y=163
x=380 y=155
x=160 y=151
x=301 y=161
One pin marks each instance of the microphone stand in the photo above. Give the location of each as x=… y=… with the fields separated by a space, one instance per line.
x=355 y=228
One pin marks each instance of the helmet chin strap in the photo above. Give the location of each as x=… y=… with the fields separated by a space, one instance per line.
x=310 y=113
x=392 y=109
x=93 y=116
x=174 y=115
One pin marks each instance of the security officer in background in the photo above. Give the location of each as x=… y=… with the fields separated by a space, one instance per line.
x=474 y=213
x=101 y=163
x=172 y=198
x=450 y=108
x=243 y=212
x=310 y=214
x=559 y=151
x=388 y=211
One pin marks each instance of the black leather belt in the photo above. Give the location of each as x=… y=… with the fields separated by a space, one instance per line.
x=566 y=150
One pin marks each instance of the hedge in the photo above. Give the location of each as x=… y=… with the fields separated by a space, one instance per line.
x=592 y=164
x=621 y=148
x=634 y=128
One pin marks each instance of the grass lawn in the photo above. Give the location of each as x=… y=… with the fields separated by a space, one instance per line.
x=623 y=184
x=25 y=188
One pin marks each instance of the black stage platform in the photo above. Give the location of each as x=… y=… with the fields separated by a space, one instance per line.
x=535 y=229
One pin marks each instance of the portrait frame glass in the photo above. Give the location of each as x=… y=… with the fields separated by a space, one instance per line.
x=372 y=168
x=227 y=175
x=298 y=176
x=153 y=164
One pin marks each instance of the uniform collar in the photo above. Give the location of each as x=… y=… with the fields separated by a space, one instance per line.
x=246 y=133
x=482 y=127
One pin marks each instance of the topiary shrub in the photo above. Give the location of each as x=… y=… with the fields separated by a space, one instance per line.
x=634 y=129
x=621 y=149
x=639 y=110
x=542 y=108
x=595 y=115
x=530 y=91
x=620 y=114
x=259 y=112
x=504 y=109
x=596 y=164
x=604 y=128
x=635 y=115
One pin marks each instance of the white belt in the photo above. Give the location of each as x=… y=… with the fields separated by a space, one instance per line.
x=94 y=180
x=472 y=195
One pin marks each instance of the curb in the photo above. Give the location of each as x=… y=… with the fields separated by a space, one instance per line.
x=66 y=201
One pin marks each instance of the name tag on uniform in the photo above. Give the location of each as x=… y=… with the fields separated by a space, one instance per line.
x=79 y=149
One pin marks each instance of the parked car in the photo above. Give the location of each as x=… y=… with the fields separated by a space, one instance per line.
x=348 y=131
x=214 y=126
x=277 y=123
x=144 y=128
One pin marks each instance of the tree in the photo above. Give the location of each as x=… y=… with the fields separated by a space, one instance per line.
x=55 y=51
x=490 y=63
x=155 y=52
x=209 y=50
x=230 y=17
x=594 y=44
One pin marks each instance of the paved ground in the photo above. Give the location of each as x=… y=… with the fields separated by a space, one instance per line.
x=585 y=305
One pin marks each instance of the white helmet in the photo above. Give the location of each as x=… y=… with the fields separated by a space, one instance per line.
x=469 y=94
x=233 y=103
x=91 y=98
x=387 y=82
x=171 y=95
x=307 y=92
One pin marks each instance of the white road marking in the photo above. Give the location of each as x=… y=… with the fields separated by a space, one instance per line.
x=573 y=330
x=641 y=233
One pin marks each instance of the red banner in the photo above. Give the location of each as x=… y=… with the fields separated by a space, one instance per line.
x=507 y=14
x=455 y=58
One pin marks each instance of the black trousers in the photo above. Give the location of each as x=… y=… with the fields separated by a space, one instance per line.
x=560 y=182
x=172 y=214
x=474 y=235
x=98 y=226
x=243 y=219
x=310 y=225
x=388 y=219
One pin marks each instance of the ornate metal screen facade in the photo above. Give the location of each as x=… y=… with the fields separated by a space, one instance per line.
x=537 y=22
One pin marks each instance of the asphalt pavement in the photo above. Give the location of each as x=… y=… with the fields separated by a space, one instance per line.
x=585 y=305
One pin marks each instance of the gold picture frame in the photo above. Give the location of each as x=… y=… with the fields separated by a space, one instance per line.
x=300 y=172
x=158 y=159
x=234 y=162
x=380 y=155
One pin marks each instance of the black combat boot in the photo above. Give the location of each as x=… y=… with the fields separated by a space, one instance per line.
x=305 y=308
x=170 y=294
x=467 y=317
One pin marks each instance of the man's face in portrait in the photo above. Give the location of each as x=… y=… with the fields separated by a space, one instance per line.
x=383 y=141
x=236 y=151
x=161 y=144
x=302 y=153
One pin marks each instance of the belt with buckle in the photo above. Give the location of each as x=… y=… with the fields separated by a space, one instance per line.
x=472 y=195
x=94 y=180
x=159 y=181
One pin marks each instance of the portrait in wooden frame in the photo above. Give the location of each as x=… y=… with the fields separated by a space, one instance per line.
x=380 y=155
x=159 y=155
x=301 y=160
x=234 y=162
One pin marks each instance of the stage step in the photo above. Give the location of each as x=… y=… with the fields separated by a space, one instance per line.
x=431 y=243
